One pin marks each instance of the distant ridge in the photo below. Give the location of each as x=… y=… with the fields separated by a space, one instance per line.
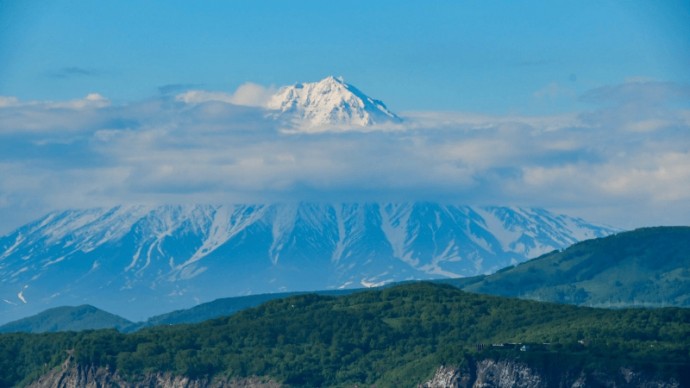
x=67 y=318
x=330 y=102
x=138 y=261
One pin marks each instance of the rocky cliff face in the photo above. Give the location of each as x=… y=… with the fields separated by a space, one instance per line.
x=70 y=375
x=492 y=373
x=483 y=374
x=448 y=376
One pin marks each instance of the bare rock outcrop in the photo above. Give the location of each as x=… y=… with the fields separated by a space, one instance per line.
x=506 y=373
x=492 y=373
x=70 y=375
x=450 y=377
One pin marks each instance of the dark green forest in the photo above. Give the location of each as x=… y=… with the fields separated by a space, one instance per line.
x=390 y=337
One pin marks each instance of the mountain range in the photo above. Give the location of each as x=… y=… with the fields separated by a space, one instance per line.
x=138 y=261
x=646 y=267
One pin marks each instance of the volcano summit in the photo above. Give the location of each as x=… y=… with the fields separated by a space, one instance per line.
x=329 y=102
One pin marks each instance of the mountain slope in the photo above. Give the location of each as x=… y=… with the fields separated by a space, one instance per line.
x=139 y=261
x=329 y=102
x=67 y=318
x=644 y=267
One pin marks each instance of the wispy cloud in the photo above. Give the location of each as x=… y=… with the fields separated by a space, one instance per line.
x=555 y=90
x=639 y=91
x=55 y=117
x=176 y=88
x=206 y=147
x=639 y=106
x=75 y=72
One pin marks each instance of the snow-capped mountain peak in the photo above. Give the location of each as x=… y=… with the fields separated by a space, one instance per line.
x=329 y=102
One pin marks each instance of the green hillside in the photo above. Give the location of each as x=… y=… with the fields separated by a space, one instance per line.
x=66 y=318
x=221 y=307
x=645 y=267
x=391 y=337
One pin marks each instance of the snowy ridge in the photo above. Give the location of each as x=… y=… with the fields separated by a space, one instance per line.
x=329 y=102
x=394 y=223
x=165 y=257
x=224 y=223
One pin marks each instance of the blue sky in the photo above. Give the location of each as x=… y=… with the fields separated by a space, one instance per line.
x=491 y=56
x=576 y=106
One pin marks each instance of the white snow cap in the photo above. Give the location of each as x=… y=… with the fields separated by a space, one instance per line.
x=330 y=101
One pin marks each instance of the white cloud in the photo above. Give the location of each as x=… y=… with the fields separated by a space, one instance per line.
x=628 y=181
x=660 y=177
x=472 y=121
x=8 y=101
x=247 y=94
x=92 y=100
x=648 y=125
x=201 y=96
x=598 y=164
x=251 y=94
x=57 y=117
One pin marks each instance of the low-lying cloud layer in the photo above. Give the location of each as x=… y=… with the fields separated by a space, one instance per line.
x=625 y=162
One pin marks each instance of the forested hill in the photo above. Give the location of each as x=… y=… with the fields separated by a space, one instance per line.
x=392 y=337
x=84 y=317
x=646 y=267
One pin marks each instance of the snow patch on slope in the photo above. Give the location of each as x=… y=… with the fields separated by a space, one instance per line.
x=395 y=220
x=20 y=295
x=227 y=222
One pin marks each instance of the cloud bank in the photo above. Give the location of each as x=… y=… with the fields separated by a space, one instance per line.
x=248 y=94
x=626 y=162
